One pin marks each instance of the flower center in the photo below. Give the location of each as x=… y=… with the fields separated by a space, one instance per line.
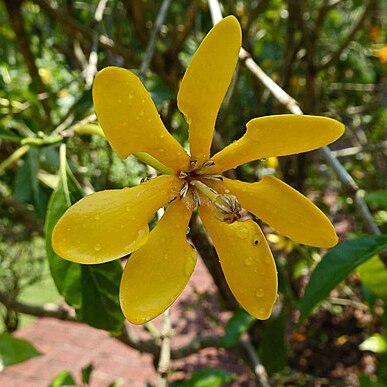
x=225 y=206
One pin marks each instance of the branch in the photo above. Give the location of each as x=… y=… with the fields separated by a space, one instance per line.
x=46 y=310
x=165 y=352
x=329 y=61
x=91 y=68
x=152 y=40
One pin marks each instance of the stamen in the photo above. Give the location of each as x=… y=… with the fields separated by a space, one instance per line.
x=184 y=190
x=208 y=163
x=213 y=177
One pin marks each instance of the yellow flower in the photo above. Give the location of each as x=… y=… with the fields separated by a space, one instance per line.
x=111 y=224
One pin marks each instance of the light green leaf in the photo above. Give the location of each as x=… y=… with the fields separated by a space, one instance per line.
x=373 y=275
x=377 y=198
x=336 y=265
x=14 y=350
x=375 y=343
x=207 y=377
x=63 y=379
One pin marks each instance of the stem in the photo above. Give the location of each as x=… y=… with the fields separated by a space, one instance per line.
x=14 y=157
x=156 y=164
x=165 y=351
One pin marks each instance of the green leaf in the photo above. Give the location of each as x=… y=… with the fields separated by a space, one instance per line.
x=238 y=324
x=373 y=275
x=64 y=378
x=336 y=265
x=207 y=377
x=272 y=347
x=14 y=350
x=377 y=198
x=100 y=302
x=9 y=135
x=375 y=343
x=86 y=373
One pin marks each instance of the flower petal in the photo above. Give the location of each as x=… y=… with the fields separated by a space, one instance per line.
x=285 y=210
x=279 y=135
x=130 y=119
x=247 y=262
x=206 y=81
x=109 y=224
x=157 y=273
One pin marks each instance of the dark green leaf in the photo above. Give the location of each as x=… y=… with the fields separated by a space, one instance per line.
x=14 y=350
x=100 y=303
x=207 y=377
x=238 y=324
x=86 y=373
x=336 y=265
x=273 y=345
x=8 y=135
x=64 y=378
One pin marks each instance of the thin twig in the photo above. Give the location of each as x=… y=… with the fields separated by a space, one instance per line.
x=165 y=350
x=91 y=68
x=259 y=369
x=292 y=105
x=152 y=40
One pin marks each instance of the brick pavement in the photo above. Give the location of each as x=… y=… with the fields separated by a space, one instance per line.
x=72 y=346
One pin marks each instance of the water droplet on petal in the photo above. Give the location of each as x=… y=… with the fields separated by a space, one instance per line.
x=161 y=150
x=128 y=208
x=226 y=191
x=162 y=135
x=97 y=247
x=97 y=217
x=262 y=312
x=143 y=100
x=242 y=232
x=260 y=293
x=249 y=261
x=244 y=189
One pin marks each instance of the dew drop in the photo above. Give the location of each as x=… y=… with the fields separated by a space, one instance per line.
x=244 y=189
x=141 y=114
x=188 y=230
x=97 y=217
x=249 y=261
x=262 y=312
x=130 y=95
x=161 y=150
x=226 y=191
x=162 y=135
x=242 y=232
x=260 y=293
x=133 y=217
x=128 y=208
x=97 y=247
x=165 y=256
x=143 y=100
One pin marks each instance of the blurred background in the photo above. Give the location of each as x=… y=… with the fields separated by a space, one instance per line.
x=329 y=55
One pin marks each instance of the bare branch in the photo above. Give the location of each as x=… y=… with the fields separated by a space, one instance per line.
x=46 y=310
x=152 y=40
x=165 y=352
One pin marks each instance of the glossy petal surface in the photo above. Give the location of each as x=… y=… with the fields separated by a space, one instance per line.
x=278 y=135
x=130 y=119
x=247 y=262
x=206 y=81
x=285 y=210
x=157 y=273
x=110 y=224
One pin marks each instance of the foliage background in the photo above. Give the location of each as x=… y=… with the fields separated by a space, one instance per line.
x=329 y=55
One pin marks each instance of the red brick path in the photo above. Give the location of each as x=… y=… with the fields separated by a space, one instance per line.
x=72 y=346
